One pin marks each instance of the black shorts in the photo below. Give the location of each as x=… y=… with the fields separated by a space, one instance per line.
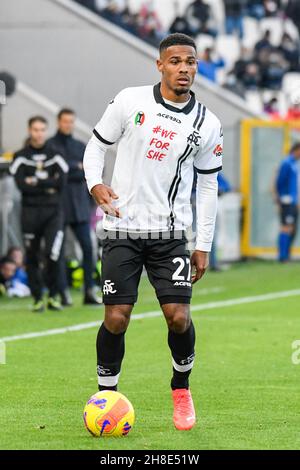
x=167 y=262
x=288 y=214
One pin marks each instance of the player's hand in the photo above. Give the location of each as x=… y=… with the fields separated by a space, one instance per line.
x=199 y=263
x=104 y=195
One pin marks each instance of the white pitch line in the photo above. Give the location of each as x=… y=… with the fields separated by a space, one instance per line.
x=157 y=313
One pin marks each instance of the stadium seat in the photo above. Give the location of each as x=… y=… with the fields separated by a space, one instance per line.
x=228 y=47
x=291 y=85
x=203 y=41
x=251 y=32
x=291 y=29
x=217 y=14
x=276 y=27
x=254 y=101
x=282 y=103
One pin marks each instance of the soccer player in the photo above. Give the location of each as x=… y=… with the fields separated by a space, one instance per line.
x=287 y=193
x=40 y=174
x=162 y=133
x=76 y=205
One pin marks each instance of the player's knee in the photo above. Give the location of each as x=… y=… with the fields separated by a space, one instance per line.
x=117 y=318
x=179 y=319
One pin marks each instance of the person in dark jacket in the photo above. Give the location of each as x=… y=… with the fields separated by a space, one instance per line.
x=40 y=174
x=77 y=205
x=293 y=12
x=234 y=16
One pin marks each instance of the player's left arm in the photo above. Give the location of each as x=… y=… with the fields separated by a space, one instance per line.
x=208 y=163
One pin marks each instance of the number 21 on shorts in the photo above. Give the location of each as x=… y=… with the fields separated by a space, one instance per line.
x=178 y=274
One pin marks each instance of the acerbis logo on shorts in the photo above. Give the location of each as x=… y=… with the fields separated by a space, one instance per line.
x=182 y=284
x=108 y=287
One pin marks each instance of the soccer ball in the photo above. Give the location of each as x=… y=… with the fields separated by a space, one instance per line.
x=108 y=413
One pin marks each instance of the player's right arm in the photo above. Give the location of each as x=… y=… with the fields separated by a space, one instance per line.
x=107 y=132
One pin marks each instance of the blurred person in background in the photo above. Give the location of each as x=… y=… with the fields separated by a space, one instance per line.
x=19 y=283
x=293 y=11
x=7 y=272
x=150 y=27
x=293 y=113
x=287 y=198
x=181 y=25
x=271 y=108
x=247 y=71
x=256 y=9
x=223 y=188
x=234 y=16
x=40 y=174
x=264 y=42
x=76 y=205
x=208 y=66
x=198 y=14
x=273 y=66
x=290 y=51
x=272 y=7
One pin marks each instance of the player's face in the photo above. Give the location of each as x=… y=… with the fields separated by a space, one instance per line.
x=178 y=66
x=38 y=133
x=66 y=123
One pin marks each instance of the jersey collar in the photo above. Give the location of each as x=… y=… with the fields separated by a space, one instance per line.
x=159 y=99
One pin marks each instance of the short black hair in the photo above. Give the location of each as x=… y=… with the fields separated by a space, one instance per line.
x=177 y=39
x=6 y=260
x=295 y=147
x=34 y=119
x=65 y=111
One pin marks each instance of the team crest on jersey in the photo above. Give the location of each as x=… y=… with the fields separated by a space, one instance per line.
x=194 y=139
x=139 y=118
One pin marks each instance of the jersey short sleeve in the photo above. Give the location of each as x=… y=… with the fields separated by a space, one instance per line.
x=111 y=126
x=209 y=157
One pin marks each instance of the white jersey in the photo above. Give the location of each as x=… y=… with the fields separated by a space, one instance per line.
x=158 y=147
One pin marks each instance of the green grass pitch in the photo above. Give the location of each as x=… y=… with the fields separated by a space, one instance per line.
x=244 y=384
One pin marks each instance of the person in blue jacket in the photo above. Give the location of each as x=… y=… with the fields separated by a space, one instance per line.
x=287 y=192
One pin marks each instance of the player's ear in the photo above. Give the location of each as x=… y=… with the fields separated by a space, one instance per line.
x=159 y=64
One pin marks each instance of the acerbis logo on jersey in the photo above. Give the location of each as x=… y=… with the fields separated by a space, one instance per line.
x=166 y=116
x=139 y=118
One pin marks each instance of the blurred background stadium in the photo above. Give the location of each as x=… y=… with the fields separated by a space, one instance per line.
x=81 y=53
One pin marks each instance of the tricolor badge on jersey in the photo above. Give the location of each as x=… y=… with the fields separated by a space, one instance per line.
x=139 y=118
